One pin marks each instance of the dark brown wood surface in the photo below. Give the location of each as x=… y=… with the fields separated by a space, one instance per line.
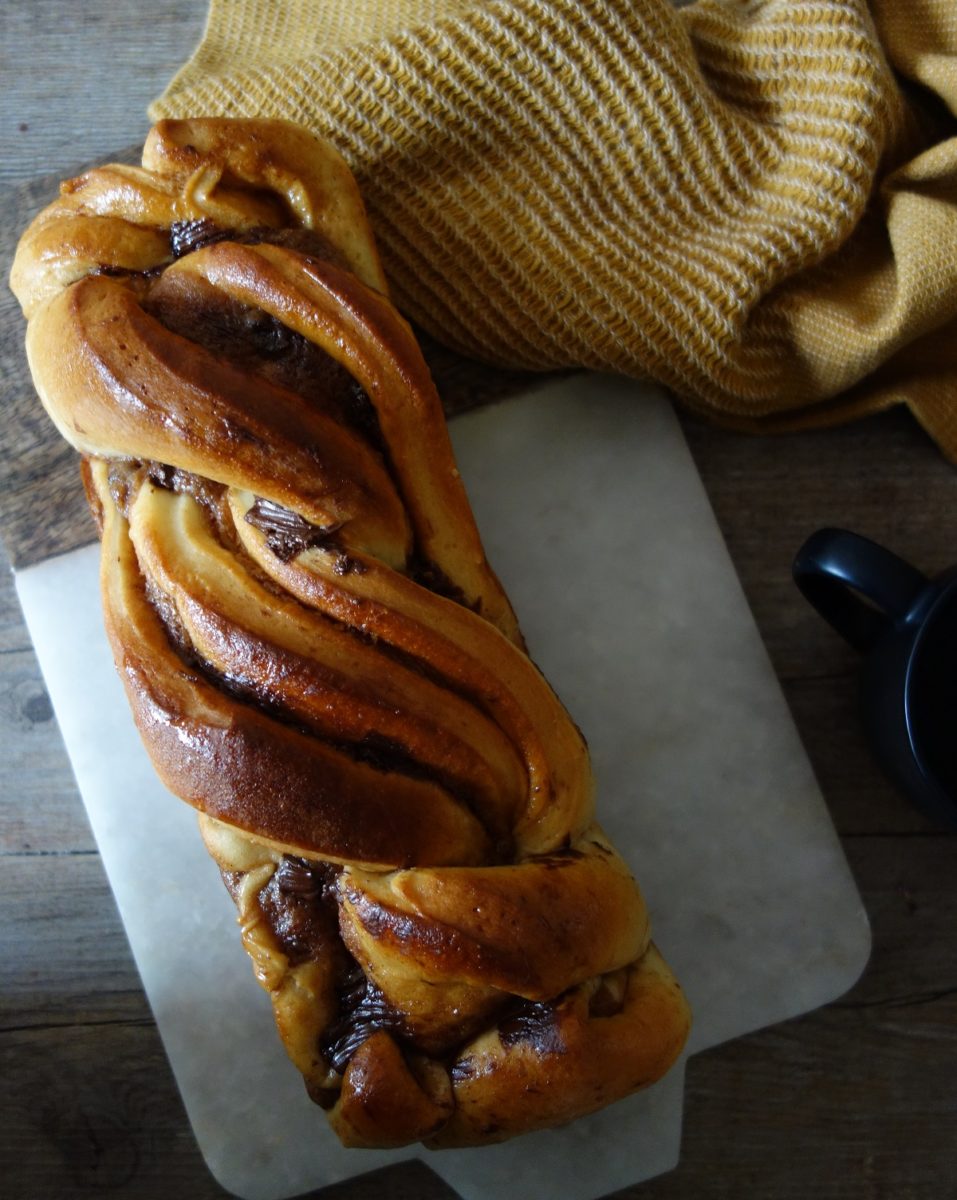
x=857 y=1101
x=42 y=510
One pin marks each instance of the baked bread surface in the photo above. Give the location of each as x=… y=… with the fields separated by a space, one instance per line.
x=318 y=656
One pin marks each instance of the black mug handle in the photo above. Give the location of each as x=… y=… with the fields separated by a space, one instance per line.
x=835 y=569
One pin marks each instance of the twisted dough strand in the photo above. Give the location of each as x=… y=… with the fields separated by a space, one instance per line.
x=318 y=656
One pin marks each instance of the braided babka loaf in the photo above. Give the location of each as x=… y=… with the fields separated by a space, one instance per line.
x=319 y=658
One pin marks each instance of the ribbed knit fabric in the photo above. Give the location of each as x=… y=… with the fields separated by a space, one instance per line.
x=747 y=200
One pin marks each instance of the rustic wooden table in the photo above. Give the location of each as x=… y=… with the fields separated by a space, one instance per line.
x=857 y=1100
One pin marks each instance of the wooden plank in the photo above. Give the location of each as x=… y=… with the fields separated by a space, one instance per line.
x=66 y=959
x=40 y=809
x=881 y=476
x=860 y=798
x=909 y=886
x=92 y=1110
x=868 y=1114
x=42 y=509
x=78 y=77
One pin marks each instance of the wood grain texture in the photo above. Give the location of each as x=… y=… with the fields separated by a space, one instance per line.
x=854 y=1102
x=42 y=509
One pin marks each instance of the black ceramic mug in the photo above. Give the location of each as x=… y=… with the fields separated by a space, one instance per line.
x=906 y=626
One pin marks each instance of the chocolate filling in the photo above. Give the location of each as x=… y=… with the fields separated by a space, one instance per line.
x=432 y=577
x=212 y=496
x=253 y=340
x=462 y=1070
x=299 y=904
x=309 y=880
x=301 y=907
x=125 y=477
x=363 y=1010
x=532 y=1021
x=536 y=1021
x=257 y=343
x=187 y=236
x=287 y=533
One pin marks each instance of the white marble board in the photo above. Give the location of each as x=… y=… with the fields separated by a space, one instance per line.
x=597 y=522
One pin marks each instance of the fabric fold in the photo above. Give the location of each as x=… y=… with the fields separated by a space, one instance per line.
x=752 y=203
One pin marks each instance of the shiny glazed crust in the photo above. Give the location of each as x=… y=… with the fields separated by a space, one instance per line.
x=318 y=656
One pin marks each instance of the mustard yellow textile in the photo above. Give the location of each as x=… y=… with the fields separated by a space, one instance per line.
x=752 y=201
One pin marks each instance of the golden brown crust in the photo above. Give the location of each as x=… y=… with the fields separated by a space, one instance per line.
x=268 y=779
x=318 y=656
x=386 y=1090
x=238 y=174
x=569 y=1062
x=119 y=385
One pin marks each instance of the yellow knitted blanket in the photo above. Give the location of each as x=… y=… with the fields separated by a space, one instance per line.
x=751 y=201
